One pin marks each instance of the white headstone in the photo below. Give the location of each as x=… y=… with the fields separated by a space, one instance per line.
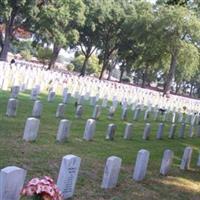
x=172 y=131
x=111 y=112
x=182 y=130
x=79 y=111
x=63 y=130
x=160 y=131
x=34 y=94
x=11 y=182
x=166 y=162
x=51 y=96
x=128 y=131
x=14 y=91
x=68 y=175
x=31 y=129
x=66 y=97
x=89 y=129
x=124 y=114
x=147 y=131
x=37 y=109
x=141 y=165
x=111 y=172
x=11 y=108
x=96 y=112
x=186 y=159
x=110 y=132
x=60 y=110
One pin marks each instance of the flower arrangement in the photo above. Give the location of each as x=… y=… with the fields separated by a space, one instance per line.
x=42 y=189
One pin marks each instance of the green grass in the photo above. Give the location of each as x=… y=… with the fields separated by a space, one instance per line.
x=43 y=157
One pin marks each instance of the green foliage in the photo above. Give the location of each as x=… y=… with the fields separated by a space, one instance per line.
x=43 y=54
x=26 y=54
x=70 y=67
x=57 y=20
x=93 y=66
x=126 y=80
x=18 y=46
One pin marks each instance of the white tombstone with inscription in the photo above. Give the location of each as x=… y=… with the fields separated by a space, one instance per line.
x=68 y=175
x=11 y=182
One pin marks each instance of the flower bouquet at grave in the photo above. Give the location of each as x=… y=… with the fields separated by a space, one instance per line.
x=41 y=189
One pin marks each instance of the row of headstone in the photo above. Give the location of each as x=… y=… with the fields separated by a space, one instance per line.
x=32 y=127
x=12 y=178
x=12 y=106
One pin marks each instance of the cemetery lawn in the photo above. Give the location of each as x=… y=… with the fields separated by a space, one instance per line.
x=43 y=157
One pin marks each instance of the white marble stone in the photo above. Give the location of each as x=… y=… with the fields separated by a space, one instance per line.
x=96 y=112
x=66 y=98
x=159 y=134
x=60 y=110
x=141 y=165
x=79 y=111
x=172 y=131
x=128 y=131
x=111 y=132
x=111 y=112
x=186 y=158
x=147 y=131
x=166 y=162
x=15 y=91
x=182 y=130
x=11 y=108
x=34 y=94
x=51 y=96
x=68 y=175
x=11 y=182
x=89 y=129
x=31 y=129
x=111 y=172
x=37 y=109
x=63 y=130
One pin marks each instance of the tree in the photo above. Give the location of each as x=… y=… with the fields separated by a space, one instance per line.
x=88 y=35
x=93 y=66
x=14 y=14
x=110 y=27
x=57 y=24
x=173 y=2
x=177 y=29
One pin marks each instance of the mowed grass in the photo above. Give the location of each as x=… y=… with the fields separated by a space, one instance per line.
x=43 y=157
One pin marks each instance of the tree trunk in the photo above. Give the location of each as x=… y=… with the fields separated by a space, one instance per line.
x=109 y=74
x=171 y=73
x=191 y=90
x=121 y=75
x=83 y=69
x=104 y=67
x=177 y=88
x=55 y=53
x=144 y=76
x=8 y=34
x=5 y=47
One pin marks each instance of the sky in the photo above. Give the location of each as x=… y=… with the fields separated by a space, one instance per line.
x=153 y=1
